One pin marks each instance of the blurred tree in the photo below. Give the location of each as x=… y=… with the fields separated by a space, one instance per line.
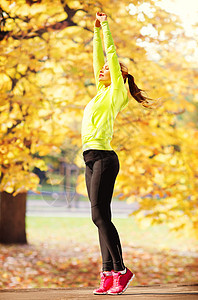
x=46 y=79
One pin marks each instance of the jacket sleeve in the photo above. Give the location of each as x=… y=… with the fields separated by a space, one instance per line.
x=98 y=56
x=113 y=62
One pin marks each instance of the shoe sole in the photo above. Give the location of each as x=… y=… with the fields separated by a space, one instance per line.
x=95 y=293
x=109 y=293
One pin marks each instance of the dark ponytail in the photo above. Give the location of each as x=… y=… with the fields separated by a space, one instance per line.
x=136 y=92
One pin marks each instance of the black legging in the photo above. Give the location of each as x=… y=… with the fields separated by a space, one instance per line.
x=102 y=167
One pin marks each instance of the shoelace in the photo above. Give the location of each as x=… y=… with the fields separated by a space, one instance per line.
x=116 y=281
x=102 y=281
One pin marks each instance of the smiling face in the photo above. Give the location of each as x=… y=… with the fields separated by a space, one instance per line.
x=104 y=75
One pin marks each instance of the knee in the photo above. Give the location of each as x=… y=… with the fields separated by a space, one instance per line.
x=100 y=217
x=97 y=220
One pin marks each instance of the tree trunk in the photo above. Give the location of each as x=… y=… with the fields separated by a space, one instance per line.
x=12 y=218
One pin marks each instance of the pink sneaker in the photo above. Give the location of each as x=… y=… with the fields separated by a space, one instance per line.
x=120 y=282
x=105 y=284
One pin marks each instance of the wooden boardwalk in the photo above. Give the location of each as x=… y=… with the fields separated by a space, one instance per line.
x=156 y=292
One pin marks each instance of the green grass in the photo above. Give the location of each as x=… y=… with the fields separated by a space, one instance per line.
x=65 y=230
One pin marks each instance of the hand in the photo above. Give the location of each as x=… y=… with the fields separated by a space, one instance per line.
x=97 y=23
x=101 y=16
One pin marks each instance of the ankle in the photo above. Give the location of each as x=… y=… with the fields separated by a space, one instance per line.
x=122 y=271
x=107 y=273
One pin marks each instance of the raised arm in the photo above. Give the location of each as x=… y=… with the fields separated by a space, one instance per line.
x=113 y=62
x=98 y=55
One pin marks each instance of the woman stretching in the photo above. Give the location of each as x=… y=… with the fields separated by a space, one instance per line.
x=102 y=164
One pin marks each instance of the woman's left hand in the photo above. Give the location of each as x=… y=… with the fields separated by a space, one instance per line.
x=101 y=16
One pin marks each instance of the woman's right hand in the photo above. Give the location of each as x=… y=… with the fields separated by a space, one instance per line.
x=97 y=23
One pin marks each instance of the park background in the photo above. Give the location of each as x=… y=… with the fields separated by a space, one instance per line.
x=46 y=79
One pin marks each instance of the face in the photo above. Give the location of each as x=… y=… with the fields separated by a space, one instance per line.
x=104 y=75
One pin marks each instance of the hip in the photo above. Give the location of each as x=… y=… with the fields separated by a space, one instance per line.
x=95 y=154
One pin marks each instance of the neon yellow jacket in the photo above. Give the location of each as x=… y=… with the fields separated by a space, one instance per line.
x=101 y=111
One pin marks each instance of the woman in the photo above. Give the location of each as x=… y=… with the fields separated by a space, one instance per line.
x=102 y=164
